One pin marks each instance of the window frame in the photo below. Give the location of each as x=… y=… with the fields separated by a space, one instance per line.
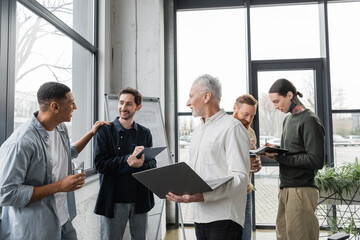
x=325 y=110
x=7 y=66
x=8 y=53
x=316 y=64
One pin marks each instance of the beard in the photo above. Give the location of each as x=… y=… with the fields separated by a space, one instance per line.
x=246 y=124
x=130 y=115
x=196 y=114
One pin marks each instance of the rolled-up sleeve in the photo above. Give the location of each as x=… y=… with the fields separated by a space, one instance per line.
x=74 y=151
x=14 y=160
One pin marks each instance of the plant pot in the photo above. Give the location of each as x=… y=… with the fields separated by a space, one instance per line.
x=332 y=198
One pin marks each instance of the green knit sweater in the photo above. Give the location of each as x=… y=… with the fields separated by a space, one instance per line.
x=303 y=135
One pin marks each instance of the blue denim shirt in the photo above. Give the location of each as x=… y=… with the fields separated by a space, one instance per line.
x=25 y=163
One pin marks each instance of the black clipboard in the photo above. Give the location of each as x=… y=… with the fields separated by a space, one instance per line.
x=263 y=149
x=177 y=178
x=150 y=152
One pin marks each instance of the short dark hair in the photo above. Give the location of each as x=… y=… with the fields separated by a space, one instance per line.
x=247 y=99
x=50 y=91
x=137 y=95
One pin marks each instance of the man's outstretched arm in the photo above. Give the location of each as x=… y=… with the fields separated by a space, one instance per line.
x=81 y=143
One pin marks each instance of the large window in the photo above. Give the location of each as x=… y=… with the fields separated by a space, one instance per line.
x=270 y=128
x=209 y=42
x=270 y=120
x=325 y=33
x=78 y=15
x=344 y=38
x=54 y=41
x=285 y=32
x=345 y=79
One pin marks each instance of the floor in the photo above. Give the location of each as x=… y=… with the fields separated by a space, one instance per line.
x=177 y=234
x=266 y=191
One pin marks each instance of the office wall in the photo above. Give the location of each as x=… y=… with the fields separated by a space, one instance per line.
x=131 y=54
x=137 y=45
x=86 y=222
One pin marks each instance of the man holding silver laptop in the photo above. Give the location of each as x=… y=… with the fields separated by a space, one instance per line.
x=219 y=148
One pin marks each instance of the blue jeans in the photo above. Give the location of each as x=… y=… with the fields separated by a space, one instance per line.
x=248 y=218
x=218 y=230
x=68 y=231
x=114 y=228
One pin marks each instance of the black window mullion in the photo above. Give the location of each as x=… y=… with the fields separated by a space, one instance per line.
x=204 y=4
x=216 y=4
x=7 y=66
x=92 y=170
x=346 y=111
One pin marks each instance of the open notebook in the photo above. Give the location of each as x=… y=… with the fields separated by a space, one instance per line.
x=178 y=178
x=263 y=149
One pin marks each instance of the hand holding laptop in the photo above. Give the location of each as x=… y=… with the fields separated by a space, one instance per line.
x=186 y=198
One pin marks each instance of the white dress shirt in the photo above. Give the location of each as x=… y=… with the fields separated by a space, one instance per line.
x=219 y=148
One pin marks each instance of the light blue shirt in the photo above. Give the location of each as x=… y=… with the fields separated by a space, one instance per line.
x=25 y=163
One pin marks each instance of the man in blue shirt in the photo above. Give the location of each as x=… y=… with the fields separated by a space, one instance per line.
x=36 y=181
x=121 y=197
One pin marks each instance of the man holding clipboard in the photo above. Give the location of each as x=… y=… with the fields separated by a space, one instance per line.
x=219 y=148
x=117 y=155
x=304 y=136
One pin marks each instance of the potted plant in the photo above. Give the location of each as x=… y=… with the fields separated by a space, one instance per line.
x=339 y=196
x=340 y=185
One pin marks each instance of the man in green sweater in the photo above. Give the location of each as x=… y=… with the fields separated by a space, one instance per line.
x=303 y=135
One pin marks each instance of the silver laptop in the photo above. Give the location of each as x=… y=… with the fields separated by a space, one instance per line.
x=177 y=178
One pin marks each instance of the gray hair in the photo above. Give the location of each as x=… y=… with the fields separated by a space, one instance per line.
x=211 y=84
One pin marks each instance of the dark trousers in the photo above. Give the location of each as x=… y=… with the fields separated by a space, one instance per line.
x=218 y=230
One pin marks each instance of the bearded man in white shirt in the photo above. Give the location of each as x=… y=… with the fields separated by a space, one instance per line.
x=219 y=148
x=244 y=111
